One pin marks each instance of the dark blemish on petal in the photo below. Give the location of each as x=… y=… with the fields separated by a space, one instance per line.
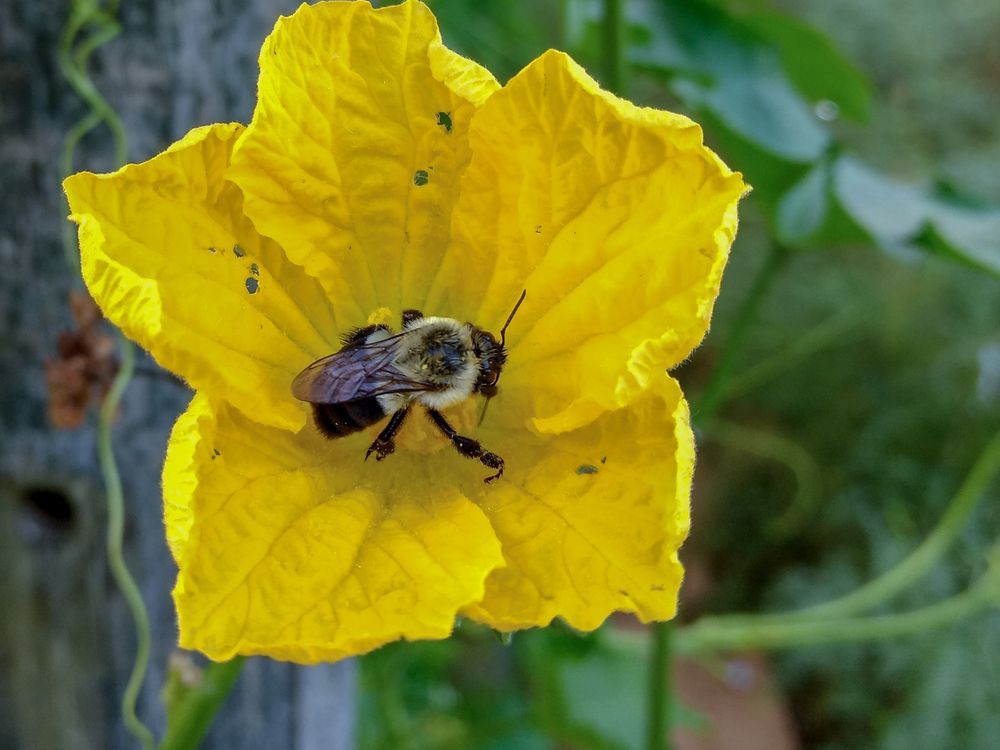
x=252 y=285
x=656 y=587
x=254 y=269
x=538 y=229
x=624 y=593
x=420 y=177
x=213 y=250
x=706 y=252
x=238 y=251
x=586 y=469
x=215 y=453
x=604 y=459
x=444 y=120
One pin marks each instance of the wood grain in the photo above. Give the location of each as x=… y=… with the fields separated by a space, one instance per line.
x=66 y=641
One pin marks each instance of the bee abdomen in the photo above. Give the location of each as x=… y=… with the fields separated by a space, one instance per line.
x=337 y=420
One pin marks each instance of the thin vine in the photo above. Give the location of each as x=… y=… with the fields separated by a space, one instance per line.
x=89 y=26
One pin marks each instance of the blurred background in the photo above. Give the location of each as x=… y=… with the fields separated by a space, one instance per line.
x=849 y=384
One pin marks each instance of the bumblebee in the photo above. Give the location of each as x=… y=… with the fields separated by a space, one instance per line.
x=435 y=362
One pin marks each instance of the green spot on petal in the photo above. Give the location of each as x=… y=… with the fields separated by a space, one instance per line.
x=444 y=120
x=586 y=469
x=252 y=285
x=238 y=251
x=420 y=177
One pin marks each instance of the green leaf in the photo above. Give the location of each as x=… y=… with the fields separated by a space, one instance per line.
x=714 y=63
x=963 y=235
x=813 y=64
x=898 y=215
x=592 y=696
x=891 y=212
x=804 y=208
x=809 y=214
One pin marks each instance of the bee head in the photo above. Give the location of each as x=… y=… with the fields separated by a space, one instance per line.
x=492 y=356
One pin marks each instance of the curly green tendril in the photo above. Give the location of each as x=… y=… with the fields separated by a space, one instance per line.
x=90 y=25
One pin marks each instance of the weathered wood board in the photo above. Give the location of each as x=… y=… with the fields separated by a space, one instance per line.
x=66 y=641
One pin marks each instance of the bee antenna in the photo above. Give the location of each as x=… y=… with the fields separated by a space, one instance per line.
x=503 y=338
x=503 y=331
x=482 y=414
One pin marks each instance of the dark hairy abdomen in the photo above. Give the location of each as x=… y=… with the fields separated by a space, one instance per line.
x=337 y=420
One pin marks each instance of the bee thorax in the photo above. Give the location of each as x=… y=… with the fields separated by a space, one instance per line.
x=440 y=364
x=441 y=357
x=440 y=353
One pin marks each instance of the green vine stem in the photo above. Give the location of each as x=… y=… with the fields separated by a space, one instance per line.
x=923 y=558
x=901 y=576
x=196 y=710
x=614 y=47
x=73 y=53
x=70 y=142
x=837 y=621
x=73 y=58
x=659 y=690
x=563 y=27
x=717 y=634
x=710 y=635
x=116 y=531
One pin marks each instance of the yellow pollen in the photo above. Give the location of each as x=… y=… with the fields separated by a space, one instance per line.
x=381 y=316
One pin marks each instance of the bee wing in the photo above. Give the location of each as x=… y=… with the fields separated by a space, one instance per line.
x=357 y=371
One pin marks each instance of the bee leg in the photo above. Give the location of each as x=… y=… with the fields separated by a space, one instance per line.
x=467 y=446
x=384 y=444
x=411 y=315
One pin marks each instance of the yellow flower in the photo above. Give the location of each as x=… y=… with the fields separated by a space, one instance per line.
x=382 y=172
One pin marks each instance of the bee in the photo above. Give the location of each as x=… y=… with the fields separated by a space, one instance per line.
x=435 y=362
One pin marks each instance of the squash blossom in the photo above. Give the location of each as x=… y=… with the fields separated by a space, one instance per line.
x=380 y=172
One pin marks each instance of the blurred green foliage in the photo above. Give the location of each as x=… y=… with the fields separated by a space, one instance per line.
x=868 y=383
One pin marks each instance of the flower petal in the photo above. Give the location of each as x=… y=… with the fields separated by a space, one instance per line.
x=185 y=450
x=615 y=219
x=295 y=547
x=590 y=521
x=357 y=142
x=170 y=258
